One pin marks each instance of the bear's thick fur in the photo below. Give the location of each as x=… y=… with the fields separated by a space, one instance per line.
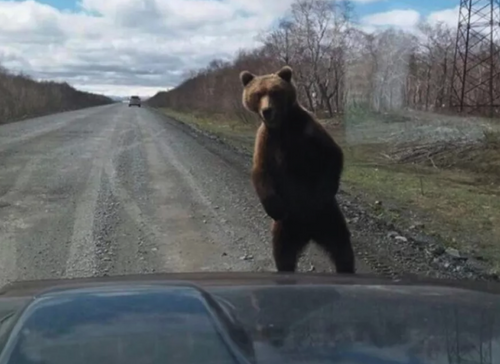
x=296 y=173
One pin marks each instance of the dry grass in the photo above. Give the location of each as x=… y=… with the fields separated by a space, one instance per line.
x=455 y=195
x=233 y=132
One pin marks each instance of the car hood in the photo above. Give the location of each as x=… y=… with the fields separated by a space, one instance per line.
x=249 y=318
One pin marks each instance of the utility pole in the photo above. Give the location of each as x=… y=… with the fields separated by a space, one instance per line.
x=475 y=83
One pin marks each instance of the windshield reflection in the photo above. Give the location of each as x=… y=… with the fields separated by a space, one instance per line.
x=286 y=324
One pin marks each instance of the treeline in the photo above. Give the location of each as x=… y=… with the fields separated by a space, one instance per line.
x=22 y=97
x=337 y=66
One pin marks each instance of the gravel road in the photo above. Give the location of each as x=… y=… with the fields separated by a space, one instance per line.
x=118 y=190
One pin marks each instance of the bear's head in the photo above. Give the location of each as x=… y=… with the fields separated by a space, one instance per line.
x=270 y=96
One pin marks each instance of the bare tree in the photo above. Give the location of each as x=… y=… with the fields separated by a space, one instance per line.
x=22 y=97
x=336 y=65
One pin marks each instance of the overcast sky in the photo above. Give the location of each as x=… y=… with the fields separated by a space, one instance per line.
x=123 y=47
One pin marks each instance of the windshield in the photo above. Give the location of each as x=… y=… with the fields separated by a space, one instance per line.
x=291 y=136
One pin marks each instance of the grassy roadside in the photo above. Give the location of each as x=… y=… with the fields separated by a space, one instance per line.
x=233 y=132
x=460 y=207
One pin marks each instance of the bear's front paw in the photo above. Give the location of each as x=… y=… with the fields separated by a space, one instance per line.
x=274 y=207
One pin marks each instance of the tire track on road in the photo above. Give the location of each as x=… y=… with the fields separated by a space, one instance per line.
x=123 y=173
x=41 y=160
x=55 y=126
x=82 y=254
x=8 y=263
x=231 y=234
x=185 y=239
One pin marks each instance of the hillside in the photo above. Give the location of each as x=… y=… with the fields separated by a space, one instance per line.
x=22 y=97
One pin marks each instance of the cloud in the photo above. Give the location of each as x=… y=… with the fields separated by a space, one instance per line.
x=394 y=18
x=142 y=45
x=449 y=17
x=446 y=16
x=122 y=45
x=37 y=22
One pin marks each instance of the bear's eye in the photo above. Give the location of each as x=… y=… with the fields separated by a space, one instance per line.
x=258 y=95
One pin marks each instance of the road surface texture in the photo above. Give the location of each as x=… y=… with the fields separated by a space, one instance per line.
x=117 y=190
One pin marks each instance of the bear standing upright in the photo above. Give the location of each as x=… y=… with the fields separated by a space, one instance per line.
x=296 y=173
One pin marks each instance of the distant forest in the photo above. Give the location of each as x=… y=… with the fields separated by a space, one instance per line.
x=22 y=97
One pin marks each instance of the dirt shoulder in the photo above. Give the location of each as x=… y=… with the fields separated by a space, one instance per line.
x=406 y=218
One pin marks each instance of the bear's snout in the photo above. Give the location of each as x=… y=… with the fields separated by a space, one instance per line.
x=268 y=114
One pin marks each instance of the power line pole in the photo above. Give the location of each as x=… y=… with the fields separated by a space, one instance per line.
x=475 y=80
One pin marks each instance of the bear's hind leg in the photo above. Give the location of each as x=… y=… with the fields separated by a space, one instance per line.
x=332 y=234
x=289 y=239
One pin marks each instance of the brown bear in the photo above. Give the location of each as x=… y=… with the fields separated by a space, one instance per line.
x=296 y=173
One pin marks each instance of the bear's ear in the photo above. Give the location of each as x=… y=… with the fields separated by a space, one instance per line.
x=246 y=77
x=285 y=73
